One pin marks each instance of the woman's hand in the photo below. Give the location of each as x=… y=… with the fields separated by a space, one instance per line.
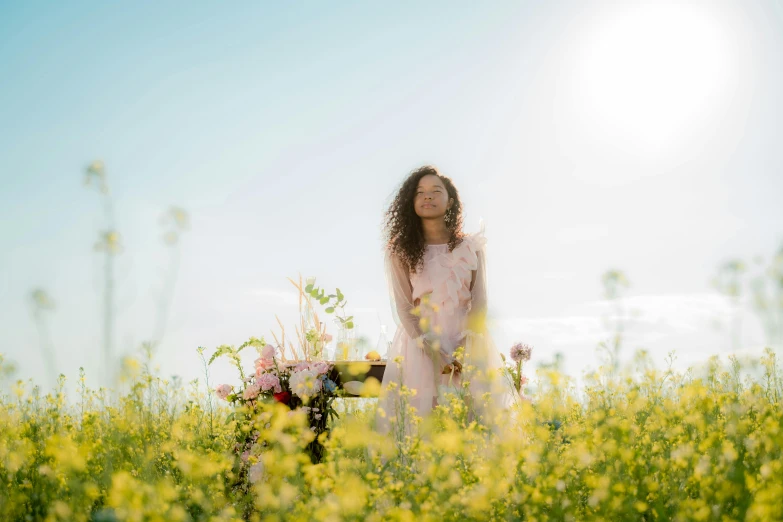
x=448 y=363
x=455 y=367
x=440 y=358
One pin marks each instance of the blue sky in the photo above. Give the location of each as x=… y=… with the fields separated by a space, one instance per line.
x=588 y=136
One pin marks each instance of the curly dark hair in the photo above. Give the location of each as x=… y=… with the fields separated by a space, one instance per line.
x=402 y=226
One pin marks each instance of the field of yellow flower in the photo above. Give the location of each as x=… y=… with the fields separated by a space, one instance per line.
x=649 y=446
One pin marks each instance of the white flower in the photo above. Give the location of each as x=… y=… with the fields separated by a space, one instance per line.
x=305 y=383
x=256 y=472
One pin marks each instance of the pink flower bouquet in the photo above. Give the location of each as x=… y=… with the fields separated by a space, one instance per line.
x=311 y=386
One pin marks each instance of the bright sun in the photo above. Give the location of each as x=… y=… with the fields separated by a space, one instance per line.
x=650 y=74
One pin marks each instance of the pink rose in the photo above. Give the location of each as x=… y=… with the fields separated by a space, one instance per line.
x=302 y=366
x=263 y=364
x=251 y=392
x=267 y=359
x=269 y=381
x=327 y=338
x=322 y=367
x=223 y=391
x=261 y=370
x=268 y=352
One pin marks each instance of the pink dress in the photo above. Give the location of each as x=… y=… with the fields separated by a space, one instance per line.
x=456 y=283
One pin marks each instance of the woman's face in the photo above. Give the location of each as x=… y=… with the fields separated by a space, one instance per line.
x=432 y=199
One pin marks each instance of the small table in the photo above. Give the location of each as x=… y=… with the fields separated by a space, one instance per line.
x=351 y=380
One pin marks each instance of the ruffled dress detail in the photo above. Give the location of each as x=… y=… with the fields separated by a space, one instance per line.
x=447 y=275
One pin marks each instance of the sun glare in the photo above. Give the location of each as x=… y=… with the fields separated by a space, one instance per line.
x=648 y=75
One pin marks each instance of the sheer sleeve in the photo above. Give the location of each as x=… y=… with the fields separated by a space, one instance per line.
x=478 y=290
x=400 y=295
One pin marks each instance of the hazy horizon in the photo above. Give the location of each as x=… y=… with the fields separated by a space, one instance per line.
x=642 y=137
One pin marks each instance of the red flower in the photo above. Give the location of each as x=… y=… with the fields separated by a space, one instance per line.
x=283 y=397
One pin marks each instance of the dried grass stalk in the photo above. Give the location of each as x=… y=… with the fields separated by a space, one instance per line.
x=305 y=303
x=281 y=343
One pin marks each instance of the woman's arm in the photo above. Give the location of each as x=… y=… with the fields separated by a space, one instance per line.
x=401 y=289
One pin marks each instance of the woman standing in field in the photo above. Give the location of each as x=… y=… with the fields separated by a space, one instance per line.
x=437 y=286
